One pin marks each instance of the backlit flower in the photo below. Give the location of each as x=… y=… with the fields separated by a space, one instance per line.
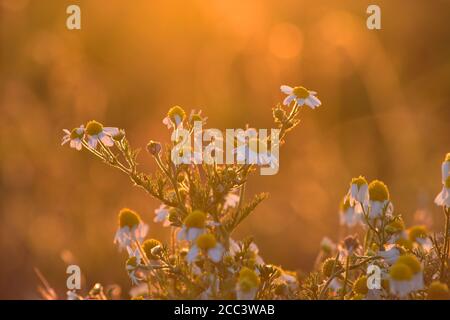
x=300 y=95
x=75 y=137
x=348 y=214
x=193 y=226
x=175 y=118
x=247 y=284
x=443 y=198
x=208 y=245
x=131 y=228
x=95 y=132
x=379 y=200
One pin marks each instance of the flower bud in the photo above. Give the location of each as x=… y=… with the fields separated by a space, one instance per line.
x=154 y=148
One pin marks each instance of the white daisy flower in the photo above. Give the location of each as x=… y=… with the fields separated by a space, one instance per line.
x=248 y=152
x=419 y=235
x=358 y=192
x=207 y=244
x=379 y=200
x=75 y=137
x=252 y=251
x=247 y=284
x=443 y=198
x=193 y=226
x=131 y=229
x=162 y=215
x=300 y=95
x=95 y=132
x=132 y=265
x=348 y=214
x=231 y=200
x=406 y=276
x=175 y=118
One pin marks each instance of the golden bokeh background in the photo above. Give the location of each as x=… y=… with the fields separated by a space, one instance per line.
x=385 y=114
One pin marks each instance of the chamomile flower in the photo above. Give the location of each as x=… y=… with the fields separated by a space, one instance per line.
x=358 y=192
x=175 y=118
x=247 y=284
x=193 y=226
x=75 y=137
x=208 y=245
x=443 y=198
x=255 y=151
x=95 y=132
x=417 y=274
x=150 y=247
x=379 y=199
x=131 y=228
x=132 y=265
x=348 y=214
x=406 y=276
x=419 y=235
x=250 y=255
x=400 y=280
x=300 y=95
x=162 y=215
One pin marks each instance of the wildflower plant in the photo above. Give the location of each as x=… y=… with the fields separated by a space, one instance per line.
x=202 y=203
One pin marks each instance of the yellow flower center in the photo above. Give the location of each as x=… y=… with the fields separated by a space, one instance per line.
x=417 y=232
x=359 y=181
x=196 y=219
x=128 y=217
x=360 y=286
x=206 y=241
x=148 y=245
x=248 y=279
x=301 y=92
x=447 y=157
x=378 y=191
x=176 y=114
x=400 y=271
x=76 y=133
x=410 y=261
x=93 y=128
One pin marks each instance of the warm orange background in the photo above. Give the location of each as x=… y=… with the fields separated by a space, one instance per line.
x=385 y=114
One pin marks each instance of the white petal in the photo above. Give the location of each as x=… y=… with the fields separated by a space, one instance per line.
x=192 y=254
x=288 y=99
x=111 y=131
x=106 y=140
x=92 y=141
x=215 y=254
x=286 y=89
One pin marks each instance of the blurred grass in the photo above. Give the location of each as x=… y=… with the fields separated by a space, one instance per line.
x=385 y=115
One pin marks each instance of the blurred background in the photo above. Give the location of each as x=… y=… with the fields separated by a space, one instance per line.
x=385 y=115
